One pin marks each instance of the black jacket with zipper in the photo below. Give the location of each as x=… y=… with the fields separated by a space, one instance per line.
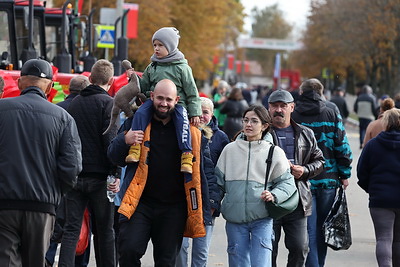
x=92 y=113
x=40 y=152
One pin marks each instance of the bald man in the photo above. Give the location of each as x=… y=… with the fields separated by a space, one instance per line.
x=76 y=85
x=154 y=206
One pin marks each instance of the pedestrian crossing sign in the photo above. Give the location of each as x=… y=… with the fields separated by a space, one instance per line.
x=106 y=36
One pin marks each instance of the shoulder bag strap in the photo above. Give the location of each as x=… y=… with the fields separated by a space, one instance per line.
x=269 y=162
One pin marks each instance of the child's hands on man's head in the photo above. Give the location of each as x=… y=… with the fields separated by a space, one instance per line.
x=195 y=121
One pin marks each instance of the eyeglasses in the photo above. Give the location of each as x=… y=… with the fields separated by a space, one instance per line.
x=252 y=121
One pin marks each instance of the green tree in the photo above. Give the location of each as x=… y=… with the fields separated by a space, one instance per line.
x=354 y=38
x=203 y=24
x=268 y=23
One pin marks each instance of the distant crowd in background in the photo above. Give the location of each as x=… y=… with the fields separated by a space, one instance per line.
x=367 y=107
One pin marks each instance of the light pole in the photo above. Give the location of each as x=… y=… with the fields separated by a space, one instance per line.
x=118 y=13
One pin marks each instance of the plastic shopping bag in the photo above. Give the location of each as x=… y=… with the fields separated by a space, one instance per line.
x=337 y=224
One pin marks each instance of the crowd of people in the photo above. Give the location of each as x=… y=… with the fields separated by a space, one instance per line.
x=180 y=162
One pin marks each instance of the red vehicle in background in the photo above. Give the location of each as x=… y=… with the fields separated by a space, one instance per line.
x=30 y=30
x=289 y=80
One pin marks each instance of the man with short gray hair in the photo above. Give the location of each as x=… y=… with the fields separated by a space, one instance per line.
x=76 y=85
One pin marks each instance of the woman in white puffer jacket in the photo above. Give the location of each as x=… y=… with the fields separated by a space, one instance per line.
x=241 y=176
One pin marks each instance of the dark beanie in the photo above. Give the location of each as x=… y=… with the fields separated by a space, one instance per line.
x=169 y=36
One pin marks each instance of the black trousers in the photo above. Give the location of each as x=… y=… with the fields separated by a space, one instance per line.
x=24 y=237
x=93 y=192
x=163 y=224
x=296 y=238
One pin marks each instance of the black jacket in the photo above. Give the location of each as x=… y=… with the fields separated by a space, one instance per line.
x=65 y=104
x=92 y=112
x=218 y=140
x=308 y=155
x=377 y=170
x=118 y=150
x=209 y=187
x=340 y=102
x=40 y=152
x=234 y=110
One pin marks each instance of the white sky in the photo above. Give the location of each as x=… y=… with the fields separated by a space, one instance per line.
x=295 y=11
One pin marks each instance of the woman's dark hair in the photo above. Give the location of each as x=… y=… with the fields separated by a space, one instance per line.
x=235 y=94
x=263 y=114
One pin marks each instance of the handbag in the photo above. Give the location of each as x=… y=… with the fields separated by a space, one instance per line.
x=336 y=228
x=278 y=210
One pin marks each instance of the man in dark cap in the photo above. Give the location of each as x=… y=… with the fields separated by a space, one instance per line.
x=40 y=158
x=306 y=161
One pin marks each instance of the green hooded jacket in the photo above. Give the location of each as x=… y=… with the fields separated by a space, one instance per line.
x=178 y=72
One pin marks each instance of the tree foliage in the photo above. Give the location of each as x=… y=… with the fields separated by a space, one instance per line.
x=203 y=24
x=268 y=23
x=356 y=39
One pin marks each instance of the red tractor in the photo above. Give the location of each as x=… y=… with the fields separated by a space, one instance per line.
x=28 y=29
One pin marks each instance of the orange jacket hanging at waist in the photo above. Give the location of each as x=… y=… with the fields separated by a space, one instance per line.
x=194 y=224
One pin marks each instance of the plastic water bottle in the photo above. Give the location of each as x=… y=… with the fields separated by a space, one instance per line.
x=110 y=194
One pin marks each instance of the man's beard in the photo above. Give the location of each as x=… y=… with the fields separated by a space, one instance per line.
x=163 y=115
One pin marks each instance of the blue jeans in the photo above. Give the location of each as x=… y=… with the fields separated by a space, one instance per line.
x=200 y=247
x=321 y=205
x=93 y=192
x=180 y=118
x=250 y=244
